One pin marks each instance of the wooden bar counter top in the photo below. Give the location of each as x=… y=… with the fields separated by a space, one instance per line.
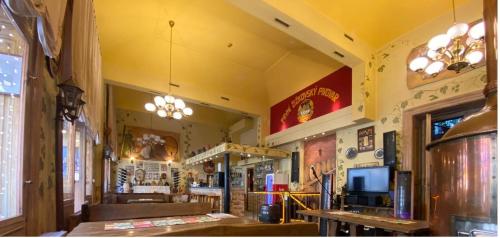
x=389 y=224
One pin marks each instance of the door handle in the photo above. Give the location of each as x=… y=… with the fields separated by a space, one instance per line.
x=27 y=182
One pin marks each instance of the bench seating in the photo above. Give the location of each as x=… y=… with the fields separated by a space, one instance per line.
x=109 y=212
x=288 y=229
x=124 y=197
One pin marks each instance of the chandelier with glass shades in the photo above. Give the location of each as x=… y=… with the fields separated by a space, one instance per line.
x=169 y=106
x=462 y=46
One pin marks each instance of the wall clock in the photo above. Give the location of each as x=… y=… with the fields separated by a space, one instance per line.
x=379 y=153
x=351 y=153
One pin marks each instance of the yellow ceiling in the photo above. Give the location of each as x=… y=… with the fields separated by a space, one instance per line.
x=377 y=22
x=134 y=37
x=202 y=114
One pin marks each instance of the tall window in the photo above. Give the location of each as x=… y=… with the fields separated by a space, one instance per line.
x=79 y=166
x=89 y=156
x=68 y=160
x=12 y=84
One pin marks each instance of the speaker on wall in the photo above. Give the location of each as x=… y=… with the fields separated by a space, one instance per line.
x=390 y=149
x=295 y=167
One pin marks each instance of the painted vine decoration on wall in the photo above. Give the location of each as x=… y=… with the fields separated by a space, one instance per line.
x=364 y=93
x=187 y=139
x=429 y=95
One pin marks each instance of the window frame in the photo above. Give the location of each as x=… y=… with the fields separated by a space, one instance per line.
x=18 y=225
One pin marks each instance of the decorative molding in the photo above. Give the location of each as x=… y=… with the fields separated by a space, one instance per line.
x=231 y=148
x=332 y=121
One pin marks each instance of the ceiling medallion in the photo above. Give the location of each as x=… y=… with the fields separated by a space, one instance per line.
x=169 y=106
x=461 y=47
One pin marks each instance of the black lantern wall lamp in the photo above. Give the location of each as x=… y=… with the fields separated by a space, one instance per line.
x=70 y=100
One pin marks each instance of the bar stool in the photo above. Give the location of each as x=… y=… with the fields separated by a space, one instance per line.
x=204 y=198
x=214 y=201
x=194 y=198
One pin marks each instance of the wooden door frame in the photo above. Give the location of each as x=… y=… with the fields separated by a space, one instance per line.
x=409 y=136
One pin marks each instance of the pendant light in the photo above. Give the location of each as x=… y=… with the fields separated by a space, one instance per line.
x=460 y=47
x=168 y=106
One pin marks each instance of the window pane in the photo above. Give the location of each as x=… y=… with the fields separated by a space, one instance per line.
x=88 y=165
x=12 y=79
x=67 y=158
x=79 y=167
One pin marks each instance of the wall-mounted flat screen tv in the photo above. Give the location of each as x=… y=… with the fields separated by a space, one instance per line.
x=370 y=179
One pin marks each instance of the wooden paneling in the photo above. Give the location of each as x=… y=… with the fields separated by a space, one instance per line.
x=107 y=212
x=13 y=227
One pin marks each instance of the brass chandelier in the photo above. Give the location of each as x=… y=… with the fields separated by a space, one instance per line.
x=169 y=106
x=462 y=46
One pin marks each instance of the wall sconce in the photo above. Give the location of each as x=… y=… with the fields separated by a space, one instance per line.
x=70 y=99
x=132 y=160
x=169 y=162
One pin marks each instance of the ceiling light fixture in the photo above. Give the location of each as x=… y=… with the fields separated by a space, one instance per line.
x=456 y=50
x=169 y=106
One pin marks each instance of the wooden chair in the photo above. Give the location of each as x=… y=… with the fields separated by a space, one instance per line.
x=288 y=229
x=109 y=212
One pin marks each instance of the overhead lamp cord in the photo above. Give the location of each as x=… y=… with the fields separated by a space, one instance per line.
x=171 y=23
x=454 y=14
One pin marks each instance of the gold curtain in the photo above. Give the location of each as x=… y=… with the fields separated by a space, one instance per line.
x=50 y=18
x=86 y=63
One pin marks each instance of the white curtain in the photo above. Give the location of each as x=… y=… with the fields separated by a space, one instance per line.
x=50 y=19
x=10 y=164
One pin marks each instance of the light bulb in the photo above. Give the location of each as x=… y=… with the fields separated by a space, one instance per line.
x=162 y=113
x=477 y=31
x=177 y=115
x=434 y=68
x=474 y=57
x=159 y=101
x=187 y=111
x=419 y=64
x=169 y=99
x=150 y=107
x=438 y=42
x=432 y=54
x=179 y=104
x=457 y=30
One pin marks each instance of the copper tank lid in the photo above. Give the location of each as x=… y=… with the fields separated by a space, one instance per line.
x=482 y=122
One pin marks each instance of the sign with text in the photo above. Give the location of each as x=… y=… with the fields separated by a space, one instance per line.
x=327 y=95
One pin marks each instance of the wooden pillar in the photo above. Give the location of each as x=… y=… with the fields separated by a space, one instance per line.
x=227 y=184
x=59 y=167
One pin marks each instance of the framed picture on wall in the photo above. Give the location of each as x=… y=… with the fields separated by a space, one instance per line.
x=366 y=139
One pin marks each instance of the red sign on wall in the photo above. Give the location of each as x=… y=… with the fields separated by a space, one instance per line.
x=327 y=95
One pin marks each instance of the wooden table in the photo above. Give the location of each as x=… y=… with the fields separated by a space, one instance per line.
x=97 y=228
x=358 y=222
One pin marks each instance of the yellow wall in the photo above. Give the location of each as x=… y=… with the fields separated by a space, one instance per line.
x=192 y=135
x=296 y=71
x=392 y=94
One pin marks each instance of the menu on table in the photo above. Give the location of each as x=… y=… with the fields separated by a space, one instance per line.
x=159 y=223
x=221 y=215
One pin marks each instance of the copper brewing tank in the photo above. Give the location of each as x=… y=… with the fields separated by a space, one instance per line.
x=464 y=161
